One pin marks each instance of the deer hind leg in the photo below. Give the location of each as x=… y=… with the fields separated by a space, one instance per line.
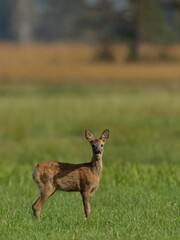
x=45 y=192
x=86 y=197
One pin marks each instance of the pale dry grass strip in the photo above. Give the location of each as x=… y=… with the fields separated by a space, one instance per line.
x=56 y=63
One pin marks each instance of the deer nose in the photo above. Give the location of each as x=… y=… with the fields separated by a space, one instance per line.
x=97 y=152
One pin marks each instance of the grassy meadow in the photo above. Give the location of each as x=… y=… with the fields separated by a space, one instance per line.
x=138 y=196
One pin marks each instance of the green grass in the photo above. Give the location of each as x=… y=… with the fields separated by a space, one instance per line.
x=138 y=197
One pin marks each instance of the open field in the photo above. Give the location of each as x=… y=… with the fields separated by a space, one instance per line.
x=138 y=197
x=49 y=94
x=59 y=63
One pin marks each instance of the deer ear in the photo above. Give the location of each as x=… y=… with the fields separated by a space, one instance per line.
x=105 y=135
x=89 y=136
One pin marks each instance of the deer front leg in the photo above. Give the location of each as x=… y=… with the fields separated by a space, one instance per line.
x=86 y=197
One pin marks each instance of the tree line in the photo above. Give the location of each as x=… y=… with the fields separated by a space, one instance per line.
x=100 y=21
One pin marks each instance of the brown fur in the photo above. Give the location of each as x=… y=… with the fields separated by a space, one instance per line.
x=83 y=178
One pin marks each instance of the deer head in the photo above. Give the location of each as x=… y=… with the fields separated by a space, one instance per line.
x=97 y=144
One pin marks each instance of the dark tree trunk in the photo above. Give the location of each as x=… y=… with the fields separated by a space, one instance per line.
x=135 y=42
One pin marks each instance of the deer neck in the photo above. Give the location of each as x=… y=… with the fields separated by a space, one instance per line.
x=97 y=165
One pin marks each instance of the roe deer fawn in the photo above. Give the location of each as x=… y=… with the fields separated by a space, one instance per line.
x=83 y=178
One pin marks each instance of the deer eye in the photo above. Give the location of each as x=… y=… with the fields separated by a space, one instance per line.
x=93 y=146
x=102 y=145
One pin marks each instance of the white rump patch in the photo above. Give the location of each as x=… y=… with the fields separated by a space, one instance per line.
x=34 y=172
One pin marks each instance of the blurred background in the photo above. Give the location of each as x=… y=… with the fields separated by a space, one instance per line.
x=71 y=40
